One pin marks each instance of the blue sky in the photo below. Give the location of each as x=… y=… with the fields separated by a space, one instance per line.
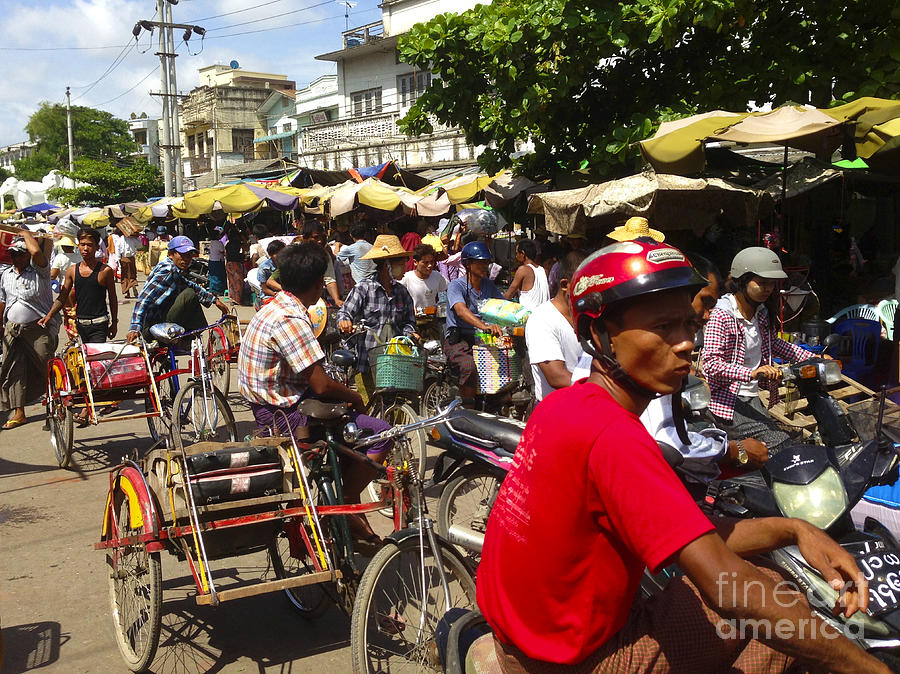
x=277 y=45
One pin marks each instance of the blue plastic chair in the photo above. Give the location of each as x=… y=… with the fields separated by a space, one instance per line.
x=865 y=339
x=867 y=311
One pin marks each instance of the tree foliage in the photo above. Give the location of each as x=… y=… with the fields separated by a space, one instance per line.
x=96 y=135
x=108 y=183
x=586 y=79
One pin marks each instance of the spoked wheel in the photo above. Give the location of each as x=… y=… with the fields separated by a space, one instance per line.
x=61 y=421
x=160 y=426
x=395 y=613
x=217 y=357
x=310 y=601
x=412 y=449
x=466 y=502
x=135 y=593
x=201 y=413
x=436 y=396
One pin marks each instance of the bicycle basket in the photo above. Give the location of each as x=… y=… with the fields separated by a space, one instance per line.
x=497 y=366
x=398 y=364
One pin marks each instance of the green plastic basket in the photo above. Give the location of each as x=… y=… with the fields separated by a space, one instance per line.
x=397 y=370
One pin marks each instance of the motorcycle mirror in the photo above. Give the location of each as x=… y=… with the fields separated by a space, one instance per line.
x=832 y=340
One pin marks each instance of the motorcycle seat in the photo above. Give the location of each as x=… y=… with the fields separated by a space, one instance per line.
x=491 y=430
x=324 y=411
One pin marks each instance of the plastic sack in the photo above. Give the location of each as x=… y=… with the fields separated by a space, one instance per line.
x=401 y=346
x=503 y=312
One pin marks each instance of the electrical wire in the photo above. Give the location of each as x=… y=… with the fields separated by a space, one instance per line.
x=264 y=30
x=237 y=11
x=274 y=16
x=136 y=85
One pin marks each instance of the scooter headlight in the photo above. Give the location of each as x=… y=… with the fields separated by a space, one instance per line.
x=831 y=372
x=820 y=502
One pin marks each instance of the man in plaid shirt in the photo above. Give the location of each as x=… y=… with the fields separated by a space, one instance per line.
x=382 y=304
x=739 y=344
x=169 y=296
x=280 y=363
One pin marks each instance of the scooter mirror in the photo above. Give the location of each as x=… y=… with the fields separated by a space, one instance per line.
x=832 y=340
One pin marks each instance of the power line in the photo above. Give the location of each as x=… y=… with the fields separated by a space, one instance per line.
x=115 y=64
x=237 y=11
x=274 y=16
x=142 y=80
x=274 y=28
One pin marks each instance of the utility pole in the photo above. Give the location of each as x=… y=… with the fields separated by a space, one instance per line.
x=69 y=129
x=165 y=146
x=173 y=104
x=170 y=142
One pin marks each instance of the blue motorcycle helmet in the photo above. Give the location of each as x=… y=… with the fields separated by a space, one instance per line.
x=476 y=250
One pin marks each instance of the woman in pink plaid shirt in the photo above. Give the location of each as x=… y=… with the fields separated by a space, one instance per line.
x=738 y=347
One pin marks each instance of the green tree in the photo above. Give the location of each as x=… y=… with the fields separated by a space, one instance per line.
x=586 y=79
x=108 y=183
x=96 y=135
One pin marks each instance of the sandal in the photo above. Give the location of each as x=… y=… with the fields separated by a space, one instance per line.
x=14 y=423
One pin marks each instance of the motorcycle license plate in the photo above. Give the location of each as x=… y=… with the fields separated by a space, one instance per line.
x=882 y=570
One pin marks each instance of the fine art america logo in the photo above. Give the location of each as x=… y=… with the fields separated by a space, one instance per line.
x=661 y=255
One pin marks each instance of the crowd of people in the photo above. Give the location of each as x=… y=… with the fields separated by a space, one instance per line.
x=609 y=341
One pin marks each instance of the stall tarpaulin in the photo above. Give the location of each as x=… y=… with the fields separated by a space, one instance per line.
x=669 y=202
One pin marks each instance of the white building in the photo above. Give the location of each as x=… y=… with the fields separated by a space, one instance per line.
x=145 y=131
x=9 y=154
x=374 y=90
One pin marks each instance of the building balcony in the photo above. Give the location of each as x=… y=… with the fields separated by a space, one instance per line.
x=371 y=32
x=355 y=131
x=200 y=165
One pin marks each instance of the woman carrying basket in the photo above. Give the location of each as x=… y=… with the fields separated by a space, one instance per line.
x=381 y=304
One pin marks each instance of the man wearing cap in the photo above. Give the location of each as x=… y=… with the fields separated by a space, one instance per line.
x=382 y=304
x=169 y=296
x=25 y=297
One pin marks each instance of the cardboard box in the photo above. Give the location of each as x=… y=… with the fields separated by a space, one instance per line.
x=8 y=234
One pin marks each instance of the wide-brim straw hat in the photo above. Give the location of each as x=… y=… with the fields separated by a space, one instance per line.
x=634 y=228
x=386 y=246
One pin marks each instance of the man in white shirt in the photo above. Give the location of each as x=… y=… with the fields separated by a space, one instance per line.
x=553 y=347
x=530 y=281
x=126 y=250
x=425 y=285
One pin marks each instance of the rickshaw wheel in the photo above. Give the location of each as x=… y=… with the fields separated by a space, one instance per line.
x=160 y=426
x=135 y=595
x=61 y=421
x=217 y=357
x=308 y=600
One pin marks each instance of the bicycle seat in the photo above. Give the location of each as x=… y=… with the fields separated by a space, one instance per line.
x=489 y=428
x=321 y=410
x=166 y=333
x=343 y=358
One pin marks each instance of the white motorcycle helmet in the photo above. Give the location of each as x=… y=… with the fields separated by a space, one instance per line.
x=757 y=260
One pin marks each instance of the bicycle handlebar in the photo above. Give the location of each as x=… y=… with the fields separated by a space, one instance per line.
x=395 y=432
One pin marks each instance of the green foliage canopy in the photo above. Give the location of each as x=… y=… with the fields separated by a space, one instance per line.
x=96 y=135
x=586 y=79
x=109 y=183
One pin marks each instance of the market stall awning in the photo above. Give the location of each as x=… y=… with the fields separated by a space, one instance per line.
x=669 y=202
x=274 y=136
x=678 y=146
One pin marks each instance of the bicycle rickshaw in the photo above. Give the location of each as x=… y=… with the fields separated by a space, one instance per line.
x=89 y=375
x=219 y=500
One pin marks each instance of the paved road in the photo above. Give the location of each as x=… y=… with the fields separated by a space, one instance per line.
x=54 y=606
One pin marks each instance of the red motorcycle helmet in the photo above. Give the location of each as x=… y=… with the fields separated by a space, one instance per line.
x=619 y=272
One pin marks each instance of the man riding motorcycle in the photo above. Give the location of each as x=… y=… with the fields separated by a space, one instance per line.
x=590 y=502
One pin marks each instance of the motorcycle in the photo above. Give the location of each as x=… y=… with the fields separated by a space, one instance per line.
x=478 y=452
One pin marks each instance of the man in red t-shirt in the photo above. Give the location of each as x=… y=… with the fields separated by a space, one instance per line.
x=590 y=502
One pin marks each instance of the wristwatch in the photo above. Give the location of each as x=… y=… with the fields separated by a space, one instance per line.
x=743 y=457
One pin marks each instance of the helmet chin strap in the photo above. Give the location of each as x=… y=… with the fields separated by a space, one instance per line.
x=616 y=371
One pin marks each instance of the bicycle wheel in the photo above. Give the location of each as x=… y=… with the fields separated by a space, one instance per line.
x=466 y=501
x=436 y=396
x=308 y=600
x=135 y=593
x=198 y=416
x=397 y=595
x=61 y=421
x=217 y=359
x=160 y=426
x=412 y=449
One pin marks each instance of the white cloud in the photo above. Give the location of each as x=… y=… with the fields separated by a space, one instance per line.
x=30 y=77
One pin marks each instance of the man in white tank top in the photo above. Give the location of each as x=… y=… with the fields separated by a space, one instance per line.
x=530 y=281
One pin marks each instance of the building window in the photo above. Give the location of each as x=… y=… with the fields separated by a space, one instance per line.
x=190 y=146
x=411 y=86
x=288 y=126
x=242 y=142
x=140 y=137
x=201 y=142
x=366 y=102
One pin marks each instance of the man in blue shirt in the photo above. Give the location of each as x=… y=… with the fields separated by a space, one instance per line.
x=353 y=254
x=463 y=319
